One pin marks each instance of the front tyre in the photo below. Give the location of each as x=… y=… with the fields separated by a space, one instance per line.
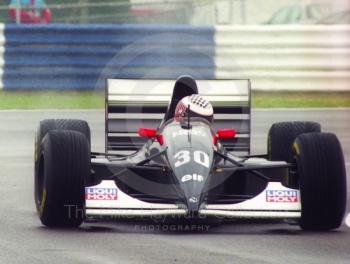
x=63 y=167
x=48 y=125
x=322 y=179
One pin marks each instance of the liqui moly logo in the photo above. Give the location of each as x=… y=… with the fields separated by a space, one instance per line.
x=281 y=196
x=101 y=193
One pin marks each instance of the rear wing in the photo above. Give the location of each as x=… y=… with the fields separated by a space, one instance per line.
x=134 y=103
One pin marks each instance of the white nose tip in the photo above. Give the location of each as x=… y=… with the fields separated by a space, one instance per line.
x=347 y=220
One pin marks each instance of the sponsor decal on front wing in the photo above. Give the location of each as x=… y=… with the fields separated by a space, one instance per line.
x=92 y=193
x=281 y=196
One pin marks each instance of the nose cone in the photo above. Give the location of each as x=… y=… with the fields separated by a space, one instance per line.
x=192 y=185
x=190 y=155
x=191 y=167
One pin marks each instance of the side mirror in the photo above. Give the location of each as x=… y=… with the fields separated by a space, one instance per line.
x=151 y=133
x=225 y=133
x=147 y=132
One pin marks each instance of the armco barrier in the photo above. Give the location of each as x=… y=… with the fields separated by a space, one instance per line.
x=83 y=56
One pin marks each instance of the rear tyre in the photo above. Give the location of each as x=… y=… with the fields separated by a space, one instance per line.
x=282 y=135
x=64 y=164
x=65 y=124
x=322 y=179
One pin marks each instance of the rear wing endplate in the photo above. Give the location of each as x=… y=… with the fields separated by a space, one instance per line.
x=134 y=103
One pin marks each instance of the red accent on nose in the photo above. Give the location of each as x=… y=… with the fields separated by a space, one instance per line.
x=215 y=140
x=160 y=139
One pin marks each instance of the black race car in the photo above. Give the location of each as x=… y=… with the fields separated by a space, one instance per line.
x=170 y=160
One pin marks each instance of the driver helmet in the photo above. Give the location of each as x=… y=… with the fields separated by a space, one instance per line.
x=194 y=106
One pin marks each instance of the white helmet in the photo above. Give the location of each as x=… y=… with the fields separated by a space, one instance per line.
x=195 y=106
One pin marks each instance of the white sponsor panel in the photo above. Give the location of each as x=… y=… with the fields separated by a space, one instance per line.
x=105 y=193
x=285 y=199
x=281 y=196
x=92 y=193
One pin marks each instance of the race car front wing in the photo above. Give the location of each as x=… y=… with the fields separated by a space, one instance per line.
x=276 y=201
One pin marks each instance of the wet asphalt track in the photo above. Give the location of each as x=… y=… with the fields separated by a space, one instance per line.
x=24 y=240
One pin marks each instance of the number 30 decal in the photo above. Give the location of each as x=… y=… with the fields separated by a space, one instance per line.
x=184 y=157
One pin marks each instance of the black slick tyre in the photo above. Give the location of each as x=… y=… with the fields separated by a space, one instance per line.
x=282 y=135
x=48 y=125
x=64 y=164
x=322 y=180
x=64 y=124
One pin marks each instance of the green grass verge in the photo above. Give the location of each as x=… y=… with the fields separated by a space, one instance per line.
x=95 y=100
x=300 y=99
x=51 y=100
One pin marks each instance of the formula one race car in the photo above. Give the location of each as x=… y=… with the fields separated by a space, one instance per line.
x=180 y=160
